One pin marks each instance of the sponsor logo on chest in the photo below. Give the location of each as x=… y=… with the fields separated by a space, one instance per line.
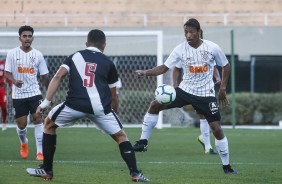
x=26 y=70
x=199 y=69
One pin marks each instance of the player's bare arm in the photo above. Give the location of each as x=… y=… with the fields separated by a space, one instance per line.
x=52 y=88
x=223 y=101
x=175 y=76
x=216 y=76
x=114 y=99
x=45 y=80
x=17 y=83
x=158 y=70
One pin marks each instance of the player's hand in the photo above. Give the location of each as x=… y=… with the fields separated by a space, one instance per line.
x=18 y=83
x=140 y=73
x=223 y=101
x=39 y=110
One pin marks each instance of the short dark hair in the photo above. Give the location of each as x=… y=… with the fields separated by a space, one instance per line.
x=25 y=28
x=96 y=37
x=194 y=23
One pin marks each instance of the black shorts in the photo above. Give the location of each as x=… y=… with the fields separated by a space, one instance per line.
x=207 y=106
x=24 y=106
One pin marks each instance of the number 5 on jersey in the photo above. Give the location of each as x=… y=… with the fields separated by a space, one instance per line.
x=90 y=68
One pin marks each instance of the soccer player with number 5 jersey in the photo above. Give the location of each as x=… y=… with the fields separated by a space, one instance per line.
x=92 y=94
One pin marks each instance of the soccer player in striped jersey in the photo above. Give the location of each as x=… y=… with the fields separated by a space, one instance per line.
x=23 y=64
x=198 y=58
x=3 y=95
x=204 y=138
x=92 y=94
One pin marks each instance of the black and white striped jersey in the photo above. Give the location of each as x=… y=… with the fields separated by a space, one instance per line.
x=198 y=65
x=25 y=67
x=91 y=75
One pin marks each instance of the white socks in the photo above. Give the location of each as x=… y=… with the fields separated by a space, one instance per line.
x=222 y=149
x=205 y=132
x=150 y=121
x=38 y=134
x=22 y=135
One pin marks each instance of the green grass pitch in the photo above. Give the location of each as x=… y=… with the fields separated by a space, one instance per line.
x=87 y=156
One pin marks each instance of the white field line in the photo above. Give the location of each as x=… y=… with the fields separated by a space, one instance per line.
x=149 y=162
x=256 y=127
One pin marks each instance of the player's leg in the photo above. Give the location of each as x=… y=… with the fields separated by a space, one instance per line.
x=21 y=112
x=211 y=111
x=49 y=148
x=151 y=118
x=111 y=125
x=60 y=115
x=149 y=122
x=3 y=106
x=33 y=103
x=204 y=138
x=128 y=155
x=22 y=134
x=49 y=145
x=221 y=144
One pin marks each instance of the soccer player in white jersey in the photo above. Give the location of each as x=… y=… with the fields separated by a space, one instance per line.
x=204 y=138
x=198 y=58
x=92 y=94
x=23 y=64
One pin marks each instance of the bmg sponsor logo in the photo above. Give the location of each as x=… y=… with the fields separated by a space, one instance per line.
x=26 y=70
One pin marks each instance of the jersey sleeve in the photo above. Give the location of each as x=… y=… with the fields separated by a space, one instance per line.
x=173 y=58
x=42 y=65
x=67 y=62
x=178 y=65
x=8 y=63
x=220 y=57
x=113 y=77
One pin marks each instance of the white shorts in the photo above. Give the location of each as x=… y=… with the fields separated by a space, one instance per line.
x=63 y=116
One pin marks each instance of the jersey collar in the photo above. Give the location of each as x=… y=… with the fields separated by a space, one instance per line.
x=93 y=49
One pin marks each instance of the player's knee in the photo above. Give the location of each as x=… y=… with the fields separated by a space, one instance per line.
x=120 y=136
x=37 y=120
x=155 y=107
x=49 y=126
x=21 y=126
x=22 y=122
x=201 y=116
x=217 y=131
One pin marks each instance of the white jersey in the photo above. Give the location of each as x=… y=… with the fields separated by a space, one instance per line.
x=198 y=65
x=178 y=65
x=25 y=67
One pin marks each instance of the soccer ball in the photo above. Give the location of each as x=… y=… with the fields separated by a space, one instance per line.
x=165 y=94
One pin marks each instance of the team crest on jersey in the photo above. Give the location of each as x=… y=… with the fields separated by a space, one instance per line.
x=205 y=55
